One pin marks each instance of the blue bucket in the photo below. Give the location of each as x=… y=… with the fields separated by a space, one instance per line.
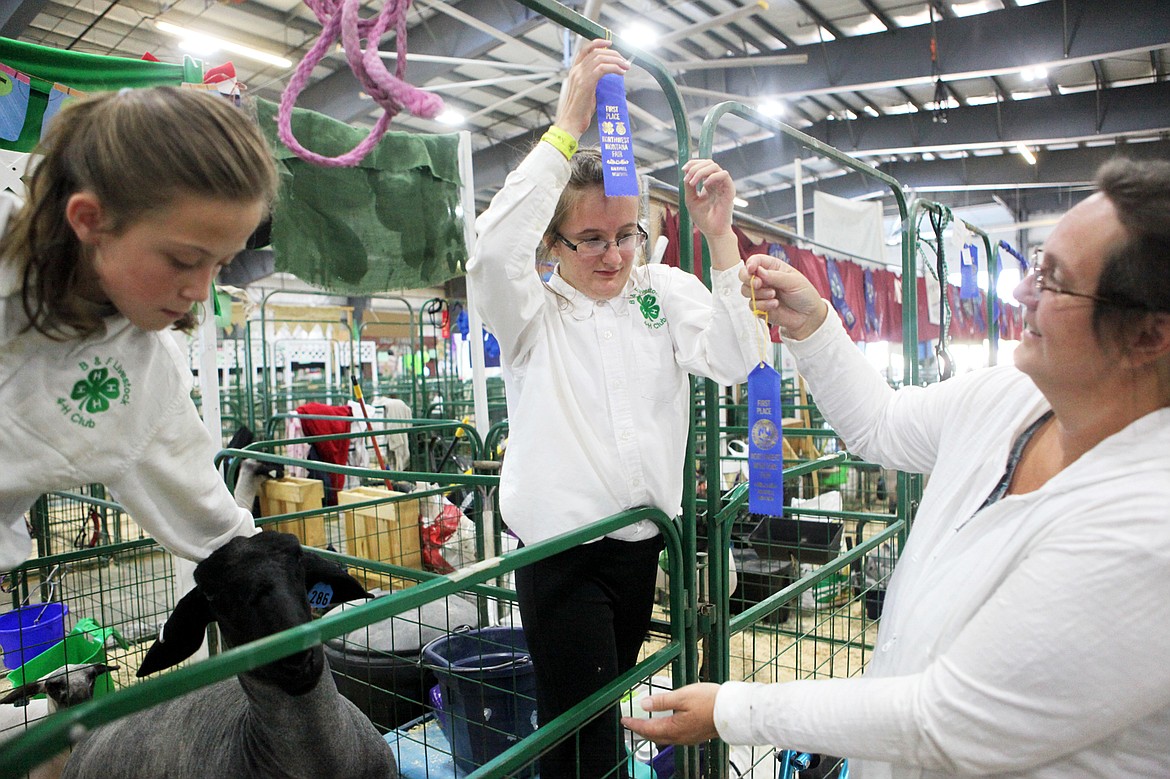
x=488 y=691
x=31 y=630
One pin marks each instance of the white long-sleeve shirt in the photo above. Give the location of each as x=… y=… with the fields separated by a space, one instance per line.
x=115 y=409
x=597 y=390
x=1030 y=639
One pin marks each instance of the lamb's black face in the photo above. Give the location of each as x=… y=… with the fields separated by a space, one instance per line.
x=296 y=674
x=255 y=587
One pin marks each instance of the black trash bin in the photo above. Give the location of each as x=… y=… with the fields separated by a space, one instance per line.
x=785 y=538
x=378 y=667
x=759 y=578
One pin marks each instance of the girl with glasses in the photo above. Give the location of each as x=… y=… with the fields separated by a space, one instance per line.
x=596 y=365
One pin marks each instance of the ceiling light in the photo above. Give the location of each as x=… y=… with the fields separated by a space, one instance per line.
x=740 y=202
x=1026 y=153
x=641 y=35
x=1038 y=73
x=451 y=116
x=202 y=42
x=771 y=108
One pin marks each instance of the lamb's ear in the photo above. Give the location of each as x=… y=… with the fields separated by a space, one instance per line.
x=23 y=693
x=319 y=571
x=181 y=636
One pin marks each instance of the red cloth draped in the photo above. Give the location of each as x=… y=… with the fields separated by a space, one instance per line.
x=670 y=230
x=337 y=450
x=965 y=319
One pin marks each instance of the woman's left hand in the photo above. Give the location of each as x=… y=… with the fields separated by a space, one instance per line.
x=710 y=208
x=692 y=721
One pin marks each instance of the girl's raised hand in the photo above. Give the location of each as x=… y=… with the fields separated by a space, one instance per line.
x=578 y=102
x=710 y=208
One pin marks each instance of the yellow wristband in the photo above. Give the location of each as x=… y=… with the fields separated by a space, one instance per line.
x=561 y=141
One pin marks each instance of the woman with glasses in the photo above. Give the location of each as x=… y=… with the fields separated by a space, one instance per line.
x=596 y=366
x=1026 y=625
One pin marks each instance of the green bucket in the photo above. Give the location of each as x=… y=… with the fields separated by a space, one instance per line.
x=86 y=643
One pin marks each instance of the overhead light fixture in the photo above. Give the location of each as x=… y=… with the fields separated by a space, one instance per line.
x=451 y=117
x=1038 y=73
x=771 y=108
x=641 y=35
x=740 y=202
x=203 y=43
x=1026 y=153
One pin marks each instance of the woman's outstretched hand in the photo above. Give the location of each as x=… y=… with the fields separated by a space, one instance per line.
x=578 y=103
x=692 y=720
x=789 y=299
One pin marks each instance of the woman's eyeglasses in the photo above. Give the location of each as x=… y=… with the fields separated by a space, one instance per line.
x=595 y=247
x=1045 y=284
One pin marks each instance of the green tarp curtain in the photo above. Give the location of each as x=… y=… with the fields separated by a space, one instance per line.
x=391 y=222
x=84 y=72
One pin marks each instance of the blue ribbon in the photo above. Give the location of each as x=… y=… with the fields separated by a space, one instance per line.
x=765 y=442
x=14 y=96
x=969 y=272
x=837 y=294
x=873 y=322
x=617 y=148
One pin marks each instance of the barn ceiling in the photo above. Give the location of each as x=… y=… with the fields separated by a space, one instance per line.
x=1069 y=80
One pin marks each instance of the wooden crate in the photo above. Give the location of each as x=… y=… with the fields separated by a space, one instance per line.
x=385 y=532
x=289 y=495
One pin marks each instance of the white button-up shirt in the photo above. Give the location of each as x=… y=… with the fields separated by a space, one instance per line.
x=597 y=390
x=1025 y=639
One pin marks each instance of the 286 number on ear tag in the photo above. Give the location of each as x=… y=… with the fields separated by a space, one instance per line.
x=321 y=595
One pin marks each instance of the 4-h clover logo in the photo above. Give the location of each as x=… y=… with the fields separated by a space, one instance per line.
x=648 y=304
x=96 y=390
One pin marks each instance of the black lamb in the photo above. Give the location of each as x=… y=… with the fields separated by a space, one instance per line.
x=283 y=719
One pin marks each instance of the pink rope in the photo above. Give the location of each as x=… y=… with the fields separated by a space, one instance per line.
x=389 y=91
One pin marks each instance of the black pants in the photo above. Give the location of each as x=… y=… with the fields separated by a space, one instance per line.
x=586 y=612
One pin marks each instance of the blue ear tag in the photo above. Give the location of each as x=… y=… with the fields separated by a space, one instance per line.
x=321 y=595
x=765 y=449
x=617 y=148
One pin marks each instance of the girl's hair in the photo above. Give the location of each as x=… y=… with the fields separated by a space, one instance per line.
x=137 y=151
x=586 y=172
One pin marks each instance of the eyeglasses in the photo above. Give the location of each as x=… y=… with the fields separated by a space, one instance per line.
x=1044 y=284
x=595 y=247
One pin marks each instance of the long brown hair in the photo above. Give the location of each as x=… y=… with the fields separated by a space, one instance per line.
x=137 y=150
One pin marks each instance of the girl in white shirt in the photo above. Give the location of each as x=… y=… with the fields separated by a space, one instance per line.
x=596 y=364
x=138 y=200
